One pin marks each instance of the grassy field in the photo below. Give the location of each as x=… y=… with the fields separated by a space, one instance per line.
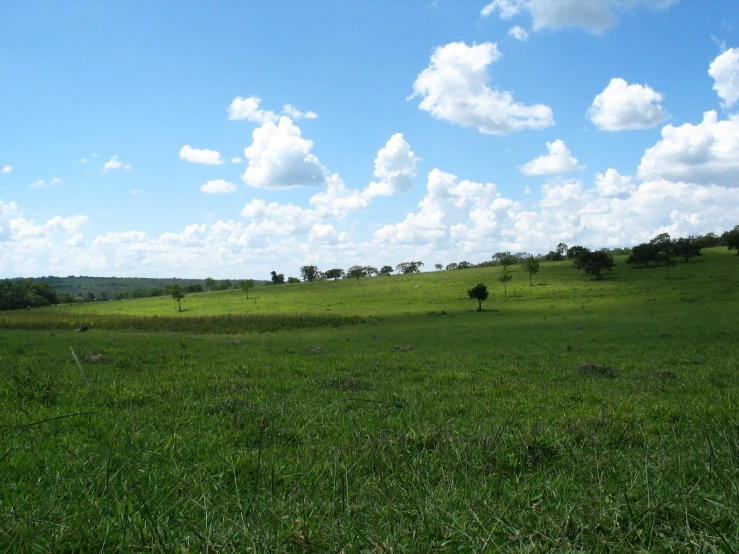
x=381 y=415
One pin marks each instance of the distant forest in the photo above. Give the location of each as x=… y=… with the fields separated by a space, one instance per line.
x=110 y=287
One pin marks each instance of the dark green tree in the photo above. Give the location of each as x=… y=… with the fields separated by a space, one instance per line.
x=210 y=283
x=409 y=267
x=595 y=263
x=292 y=280
x=277 y=278
x=178 y=293
x=479 y=292
x=686 y=248
x=386 y=270
x=438 y=267
x=731 y=239
x=335 y=274
x=309 y=273
x=643 y=254
x=531 y=266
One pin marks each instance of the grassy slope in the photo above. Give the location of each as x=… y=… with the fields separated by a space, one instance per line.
x=483 y=437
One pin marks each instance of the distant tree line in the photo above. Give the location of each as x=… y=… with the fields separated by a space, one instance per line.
x=18 y=294
x=659 y=251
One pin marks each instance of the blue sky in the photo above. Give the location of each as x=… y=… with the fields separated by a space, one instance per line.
x=179 y=139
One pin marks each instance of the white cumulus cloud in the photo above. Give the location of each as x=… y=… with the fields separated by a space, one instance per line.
x=218 y=186
x=115 y=163
x=200 y=156
x=395 y=167
x=6 y=169
x=594 y=16
x=280 y=158
x=293 y=112
x=454 y=87
x=707 y=153
x=248 y=108
x=519 y=33
x=623 y=106
x=558 y=160
x=725 y=72
x=612 y=184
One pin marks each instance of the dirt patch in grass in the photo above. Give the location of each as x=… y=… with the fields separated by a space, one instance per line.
x=589 y=368
x=90 y=357
x=403 y=347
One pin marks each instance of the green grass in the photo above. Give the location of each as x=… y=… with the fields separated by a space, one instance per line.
x=243 y=436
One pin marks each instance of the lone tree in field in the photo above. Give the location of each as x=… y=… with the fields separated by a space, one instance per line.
x=277 y=278
x=531 y=265
x=594 y=263
x=386 y=270
x=178 y=293
x=438 y=267
x=309 y=273
x=358 y=271
x=504 y=278
x=478 y=292
x=245 y=285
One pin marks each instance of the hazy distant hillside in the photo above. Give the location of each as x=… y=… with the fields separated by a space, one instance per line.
x=80 y=286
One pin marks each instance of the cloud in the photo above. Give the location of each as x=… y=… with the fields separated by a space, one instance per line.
x=248 y=108
x=519 y=33
x=137 y=192
x=557 y=161
x=38 y=184
x=114 y=163
x=612 y=184
x=198 y=156
x=707 y=153
x=83 y=160
x=454 y=88
x=218 y=186
x=725 y=72
x=291 y=111
x=622 y=106
x=447 y=213
x=236 y=160
x=395 y=167
x=594 y=16
x=280 y=158
x=6 y=169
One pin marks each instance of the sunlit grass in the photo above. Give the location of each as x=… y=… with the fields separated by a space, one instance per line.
x=253 y=434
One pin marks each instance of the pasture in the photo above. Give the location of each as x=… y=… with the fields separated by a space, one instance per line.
x=381 y=415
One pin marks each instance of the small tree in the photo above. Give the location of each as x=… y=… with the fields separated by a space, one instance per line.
x=531 y=265
x=386 y=270
x=292 y=280
x=451 y=266
x=438 y=267
x=245 y=285
x=277 y=278
x=478 y=292
x=309 y=273
x=335 y=274
x=504 y=278
x=178 y=293
x=210 y=283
